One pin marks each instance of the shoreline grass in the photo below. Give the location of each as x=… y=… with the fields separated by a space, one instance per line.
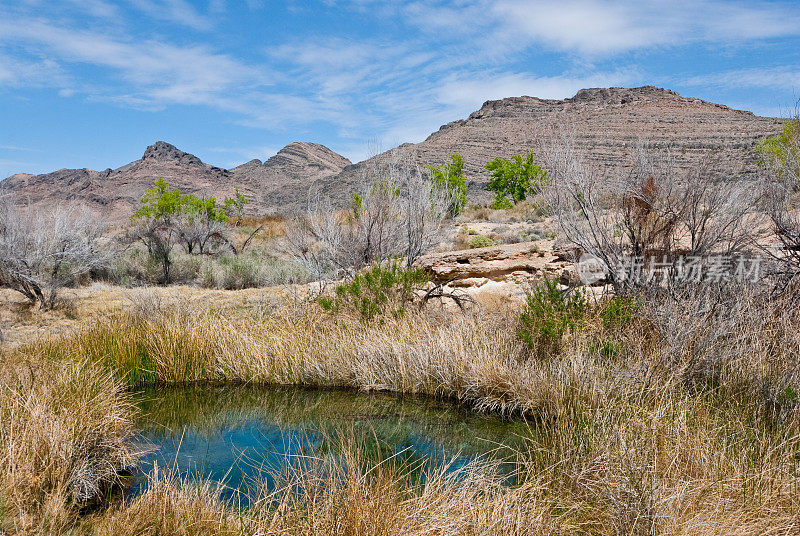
x=680 y=427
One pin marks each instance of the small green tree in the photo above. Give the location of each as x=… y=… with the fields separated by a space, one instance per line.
x=160 y=203
x=167 y=217
x=234 y=206
x=782 y=152
x=450 y=177
x=160 y=208
x=513 y=180
x=201 y=222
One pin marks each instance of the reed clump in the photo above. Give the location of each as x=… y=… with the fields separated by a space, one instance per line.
x=65 y=437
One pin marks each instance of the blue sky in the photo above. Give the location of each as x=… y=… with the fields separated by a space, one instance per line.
x=91 y=83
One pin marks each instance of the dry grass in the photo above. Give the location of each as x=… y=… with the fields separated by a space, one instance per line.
x=683 y=420
x=65 y=431
x=349 y=494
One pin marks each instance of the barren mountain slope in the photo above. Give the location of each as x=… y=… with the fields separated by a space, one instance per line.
x=282 y=180
x=606 y=124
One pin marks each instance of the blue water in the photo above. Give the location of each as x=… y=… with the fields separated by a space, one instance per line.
x=240 y=436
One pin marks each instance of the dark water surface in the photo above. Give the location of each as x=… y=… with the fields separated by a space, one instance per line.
x=241 y=434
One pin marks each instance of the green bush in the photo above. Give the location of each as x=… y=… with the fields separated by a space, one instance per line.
x=382 y=289
x=239 y=272
x=618 y=311
x=514 y=180
x=549 y=314
x=450 y=177
x=480 y=241
x=782 y=150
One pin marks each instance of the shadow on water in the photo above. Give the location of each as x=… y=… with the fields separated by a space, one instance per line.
x=241 y=434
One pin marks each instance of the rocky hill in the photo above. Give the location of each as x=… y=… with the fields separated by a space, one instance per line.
x=280 y=181
x=605 y=122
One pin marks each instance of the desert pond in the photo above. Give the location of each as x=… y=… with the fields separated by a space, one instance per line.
x=240 y=435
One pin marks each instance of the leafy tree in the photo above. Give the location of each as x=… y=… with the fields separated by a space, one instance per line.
x=513 y=180
x=159 y=203
x=168 y=217
x=450 y=177
x=782 y=151
x=234 y=206
x=160 y=208
x=201 y=223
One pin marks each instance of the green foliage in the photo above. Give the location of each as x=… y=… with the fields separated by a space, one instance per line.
x=160 y=203
x=480 y=241
x=513 y=180
x=618 y=311
x=385 y=288
x=451 y=178
x=782 y=149
x=204 y=209
x=549 y=314
x=607 y=348
x=235 y=272
x=358 y=205
x=234 y=206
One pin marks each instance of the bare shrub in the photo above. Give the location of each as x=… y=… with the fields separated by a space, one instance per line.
x=781 y=185
x=42 y=253
x=398 y=212
x=657 y=211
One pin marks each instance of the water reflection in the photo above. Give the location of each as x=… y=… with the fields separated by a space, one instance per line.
x=239 y=434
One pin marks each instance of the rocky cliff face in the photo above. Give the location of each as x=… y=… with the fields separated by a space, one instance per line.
x=606 y=123
x=281 y=181
x=285 y=181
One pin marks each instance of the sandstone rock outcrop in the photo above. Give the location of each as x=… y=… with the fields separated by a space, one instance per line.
x=506 y=269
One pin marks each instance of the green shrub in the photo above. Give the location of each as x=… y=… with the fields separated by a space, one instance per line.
x=253 y=269
x=450 y=177
x=549 y=314
x=386 y=288
x=514 y=180
x=607 y=348
x=618 y=311
x=480 y=241
x=239 y=272
x=782 y=149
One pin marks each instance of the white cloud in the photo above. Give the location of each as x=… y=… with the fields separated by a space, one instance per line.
x=30 y=72
x=155 y=73
x=177 y=11
x=761 y=77
x=607 y=27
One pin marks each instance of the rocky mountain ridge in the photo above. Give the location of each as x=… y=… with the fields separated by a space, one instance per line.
x=606 y=123
x=280 y=181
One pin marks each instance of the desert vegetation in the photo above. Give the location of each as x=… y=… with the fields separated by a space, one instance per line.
x=665 y=405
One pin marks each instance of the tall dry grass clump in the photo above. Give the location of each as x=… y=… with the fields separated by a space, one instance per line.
x=171 y=505
x=65 y=435
x=464 y=358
